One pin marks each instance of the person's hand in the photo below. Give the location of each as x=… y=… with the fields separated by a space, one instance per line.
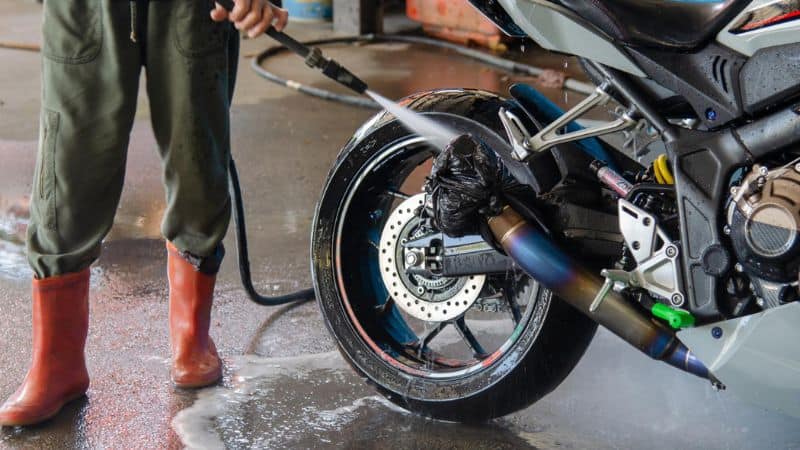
x=253 y=16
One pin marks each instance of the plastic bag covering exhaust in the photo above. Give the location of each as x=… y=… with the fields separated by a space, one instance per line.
x=468 y=182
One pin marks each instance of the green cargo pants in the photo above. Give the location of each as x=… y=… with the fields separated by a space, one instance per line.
x=94 y=52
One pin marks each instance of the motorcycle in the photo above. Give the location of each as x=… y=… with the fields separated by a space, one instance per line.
x=465 y=281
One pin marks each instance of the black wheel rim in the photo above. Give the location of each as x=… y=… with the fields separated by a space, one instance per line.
x=417 y=347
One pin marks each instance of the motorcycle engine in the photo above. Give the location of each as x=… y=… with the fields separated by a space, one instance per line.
x=764 y=225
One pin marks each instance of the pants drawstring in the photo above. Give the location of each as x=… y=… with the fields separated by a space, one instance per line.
x=134 y=21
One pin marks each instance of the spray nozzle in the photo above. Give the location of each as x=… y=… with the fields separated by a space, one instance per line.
x=333 y=70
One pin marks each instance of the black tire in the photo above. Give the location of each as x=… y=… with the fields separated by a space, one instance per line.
x=545 y=352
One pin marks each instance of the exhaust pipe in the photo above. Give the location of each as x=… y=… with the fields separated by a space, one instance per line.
x=543 y=260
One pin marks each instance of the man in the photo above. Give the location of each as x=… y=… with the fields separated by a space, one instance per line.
x=94 y=52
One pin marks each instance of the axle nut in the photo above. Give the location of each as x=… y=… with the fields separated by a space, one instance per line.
x=412 y=259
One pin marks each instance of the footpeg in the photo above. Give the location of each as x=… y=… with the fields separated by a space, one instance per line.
x=612 y=277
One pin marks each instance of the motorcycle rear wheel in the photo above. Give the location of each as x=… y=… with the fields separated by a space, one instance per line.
x=544 y=342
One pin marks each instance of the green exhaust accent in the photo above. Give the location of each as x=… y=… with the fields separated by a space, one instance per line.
x=676 y=318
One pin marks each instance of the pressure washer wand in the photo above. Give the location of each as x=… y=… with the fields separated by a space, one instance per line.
x=313 y=56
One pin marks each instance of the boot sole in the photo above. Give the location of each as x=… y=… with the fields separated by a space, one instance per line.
x=44 y=417
x=201 y=383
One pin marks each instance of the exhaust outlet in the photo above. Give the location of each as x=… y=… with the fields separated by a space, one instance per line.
x=543 y=260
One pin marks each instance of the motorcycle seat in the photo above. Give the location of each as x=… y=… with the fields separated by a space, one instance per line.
x=677 y=24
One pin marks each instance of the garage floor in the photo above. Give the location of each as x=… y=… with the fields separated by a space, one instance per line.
x=285 y=386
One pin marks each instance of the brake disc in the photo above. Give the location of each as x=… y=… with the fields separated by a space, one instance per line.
x=428 y=298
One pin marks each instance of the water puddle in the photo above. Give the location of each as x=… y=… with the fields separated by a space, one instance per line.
x=279 y=403
x=14 y=217
x=317 y=401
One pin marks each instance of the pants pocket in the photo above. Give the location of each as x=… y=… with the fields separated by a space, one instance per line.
x=45 y=188
x=196 y=35
x=72 y=30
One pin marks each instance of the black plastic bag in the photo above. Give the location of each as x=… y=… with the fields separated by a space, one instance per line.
x=467 y=184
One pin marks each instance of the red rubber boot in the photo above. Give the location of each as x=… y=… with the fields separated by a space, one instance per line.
x=57 y=374
x=195 y=362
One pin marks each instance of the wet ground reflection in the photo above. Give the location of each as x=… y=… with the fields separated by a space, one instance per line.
x=14 y=215
x=317 y=401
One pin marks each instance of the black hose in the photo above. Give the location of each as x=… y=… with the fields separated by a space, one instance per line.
x=243 y=253
x=353 y=100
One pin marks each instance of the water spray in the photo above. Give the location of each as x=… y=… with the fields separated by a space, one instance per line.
x=437 y=134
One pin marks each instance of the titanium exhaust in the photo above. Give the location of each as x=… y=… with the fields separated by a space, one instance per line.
x=543 y=260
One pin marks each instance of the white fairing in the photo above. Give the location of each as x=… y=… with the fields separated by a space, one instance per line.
x=757 y=357
x=750 y=42
x=552 y=28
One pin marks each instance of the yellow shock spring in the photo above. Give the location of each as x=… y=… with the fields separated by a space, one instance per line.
x=661 y=171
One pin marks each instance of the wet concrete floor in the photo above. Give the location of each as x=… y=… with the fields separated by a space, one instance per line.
x=285 y=386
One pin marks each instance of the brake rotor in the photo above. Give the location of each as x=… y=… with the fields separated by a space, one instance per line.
x=428 y=298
